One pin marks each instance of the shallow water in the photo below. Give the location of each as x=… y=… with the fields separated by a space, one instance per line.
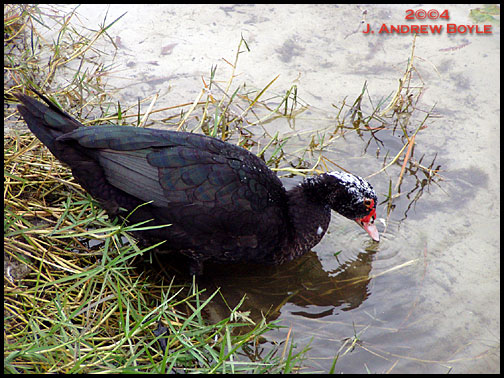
x=426 y=299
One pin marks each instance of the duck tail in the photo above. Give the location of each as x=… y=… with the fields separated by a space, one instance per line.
x=46 y=122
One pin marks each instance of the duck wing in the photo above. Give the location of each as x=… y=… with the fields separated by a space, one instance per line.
x=221 y=200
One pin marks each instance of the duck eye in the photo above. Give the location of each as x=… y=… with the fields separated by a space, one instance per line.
x=368 y=202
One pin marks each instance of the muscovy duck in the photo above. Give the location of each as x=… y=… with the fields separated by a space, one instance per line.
x=222 y=202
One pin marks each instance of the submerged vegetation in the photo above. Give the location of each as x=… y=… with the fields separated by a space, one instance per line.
x=80 y=295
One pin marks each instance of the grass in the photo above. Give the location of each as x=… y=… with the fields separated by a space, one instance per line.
x=87 y=306
x=80 y=295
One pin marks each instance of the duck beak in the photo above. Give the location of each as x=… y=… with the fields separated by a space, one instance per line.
x=370 y=228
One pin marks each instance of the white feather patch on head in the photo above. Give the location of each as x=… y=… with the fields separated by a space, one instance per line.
x=348 y=177
x=353 y=182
